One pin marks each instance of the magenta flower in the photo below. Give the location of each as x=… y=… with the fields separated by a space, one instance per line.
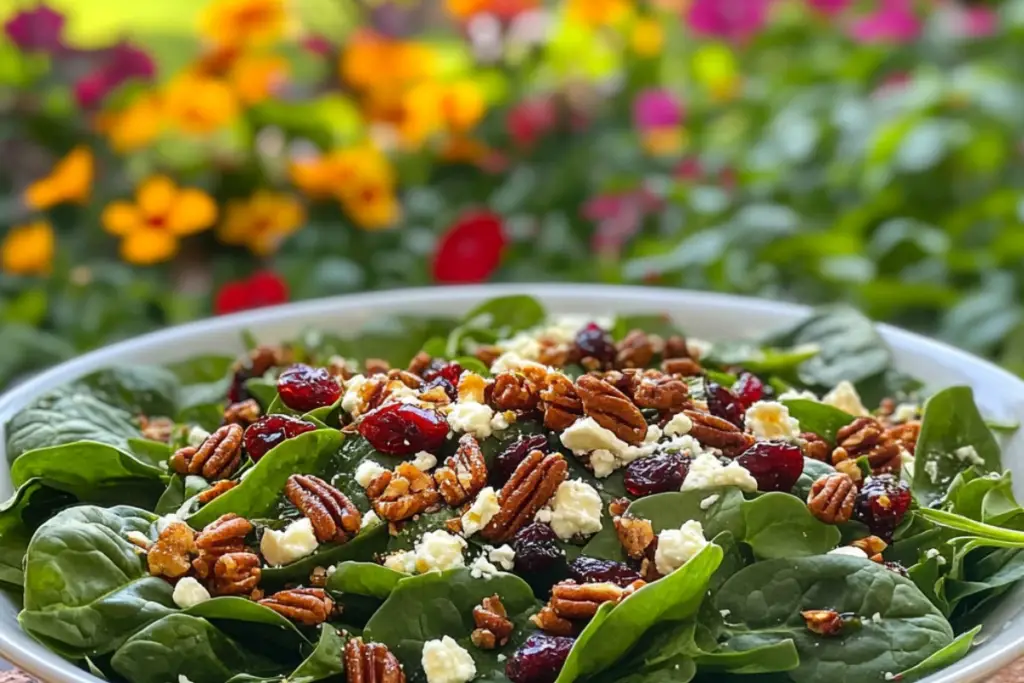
x=829 y=7
x=973 y=22
x=735 y=20
x=127 y=61
x=893 y=22
x=91 y=90
x=37 y=30
x=657 y=109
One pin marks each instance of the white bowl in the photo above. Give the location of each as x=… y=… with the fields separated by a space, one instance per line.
x=1000 y=396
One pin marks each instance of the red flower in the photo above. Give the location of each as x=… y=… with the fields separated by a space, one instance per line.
x=471 y=249
x=263 y=288
x=37 y=30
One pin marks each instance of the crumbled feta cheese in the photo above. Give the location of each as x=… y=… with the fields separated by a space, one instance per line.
x=543 y=516
x=889 y=676
x=196 y=436
x=905 y=412
x=679 y=424
x=725 y=613
x=424 y=461
x=353 y=402
x=503 y=556
x=502 y=420
x=845 y=397
x=677 y=546
x=708 y=502
x=473 y=418
x=706 y=471
x=849 y=550
x=369 y=519
x=791 y=394
x=771 y=420
x=931 y=468
x=182 y=678
x=166 y=521
x=284 y=547
x=439 y=550
x=587 y=435
x=603 y=463
x=501 y=658
x=935 y=554
x=481 y=512
x=523 y=345
x=511 y=362
x=445 y=661
x=969 y=455
x=471 y=387
x=575 y=509
x=367 y=472
x=188 y=593
x=139 y=539
x=698 y=348
x=877 y=617
x=653 y=434
x=403 y=561
x=481 y=568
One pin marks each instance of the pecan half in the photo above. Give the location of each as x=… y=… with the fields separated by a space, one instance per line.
x=562 y=405
x=872 y=546
x=667 y=394
x=635 y=350
x=636 y=535
x=403 y=493
x=824 y=622
x=716 y=432
x=409 y=379
x=549 y=622
x=573 y=601
x=236 y=574
x=676 y=347
x=905 y=435
x=376 y=366
x=513 y=391
x=493 y=627
x=531 y=486
x=244 y=413
x=420 y=363
x=832 y=498
x=332 y=514
x=216 y=458
x=683 y=367
x=611 y=409
x=815 y=447
x=464 y=473
x=224 y=535
x=371 y=663
x=156 y=428
x=866 y=437
x=172 y=552
x=309 y=606
x=555 y=354
x=222 y=486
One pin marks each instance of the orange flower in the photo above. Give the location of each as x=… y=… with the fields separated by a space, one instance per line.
x=261 y=222
x=69 y=181
x=433 y=107
x=598 y=12
x=28 y=249
x=370 y=61
x=371 y=203
x=256 y=77
x=245 y=22
x=134 y=126
x=361 y=178
x=162 y=213
x=647 y=37
x=198 y=104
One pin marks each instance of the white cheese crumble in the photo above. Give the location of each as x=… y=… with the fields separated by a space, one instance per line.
x=503 y=556
x=481 y=512
x=512 y=362
x=935 y=554
x=575 y=509
x=445 y=661
x=369 y=519
x=905 y=412
x=367 y=472
x=481 y=568
x=771 y=420
x=182 y=678
x=707 y=472
x=653 y=434
x=678 y=425
x=845 y=397
x=587 y=435
x=603 y=463
x=849 y=550
x=877 y=617
x=931 y=468
x=472 y=418
x=501 y=658
x=352 y=402
x=139 y=539
x=439 y=550
x=969 y=455
x=424 y=461
x=677 y=546
x=403 y=561
x=188 y=593
x=284 y=547
x=709 y=501
x=502 y=420
x=790 y=394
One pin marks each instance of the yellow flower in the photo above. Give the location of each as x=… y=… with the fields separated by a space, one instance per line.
x=433 y=107
x=69 y=181
x=598 y=12
x=372 y=204
x=198 y=104
x=464 y=9
x=134 y=126
x=664 y=142
x=162 y=212
x=256 y=77
x=370 y=61
x=647 y=37
x=244 y=22
x=360 y=178
x=261 y=222
x=714 y=67
x=28 y=249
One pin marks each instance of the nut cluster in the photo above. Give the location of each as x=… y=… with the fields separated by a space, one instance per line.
x=513 y=391
x=243 y=413
x=493 y=627
x=865 y=437
x=531 y=486
x=403 y=493
x=463 y=474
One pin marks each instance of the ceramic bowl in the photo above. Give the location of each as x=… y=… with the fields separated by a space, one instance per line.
x=1000 y=395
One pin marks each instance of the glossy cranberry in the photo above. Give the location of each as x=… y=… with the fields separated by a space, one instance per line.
x=270 y=430
x=656 y=474
x=451 y=390
x=237 y=392
x=724 y=404
x=593 y=341
x=508 y=460
x=404 y=429
x=537 y=548
x=775 y=464
x=897 y=568
x=450 y=371
x=882 y=503
x=304 y=388
x=592 y=570
x=749 y=389
x=539 y=659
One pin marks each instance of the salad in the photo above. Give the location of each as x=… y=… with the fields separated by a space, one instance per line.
x=515 y=497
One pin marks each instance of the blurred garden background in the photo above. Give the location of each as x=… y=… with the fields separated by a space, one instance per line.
x=164 y=160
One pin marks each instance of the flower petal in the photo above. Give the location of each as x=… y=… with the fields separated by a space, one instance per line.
x=193 y=212
x=147 y=246
x=121 y=218
x=156 y=196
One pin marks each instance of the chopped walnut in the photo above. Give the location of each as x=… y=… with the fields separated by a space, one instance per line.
x=493 y=627
x=513 y=391
x=216 y=458
x=549 y=622
x=529 y=489
x=156 y=428
x=815 y=447
x=683 y=367
x=420 y=363
x=402 y=494
x=611 y=409
x=905 y=435
x=371 y=663
x=635 y=350
x=635 y=535
x=332 y=514
x=171 y=554
x=464 y=473
x=376 y=366
x=309 y=606
x=832 y=498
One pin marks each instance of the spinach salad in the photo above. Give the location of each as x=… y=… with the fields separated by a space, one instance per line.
x=515 y=497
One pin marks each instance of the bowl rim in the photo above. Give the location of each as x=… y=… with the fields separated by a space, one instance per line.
x=51 y=668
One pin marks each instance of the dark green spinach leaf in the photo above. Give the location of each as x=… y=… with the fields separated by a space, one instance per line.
x=820 y=418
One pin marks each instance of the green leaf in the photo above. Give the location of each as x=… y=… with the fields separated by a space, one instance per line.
x=766 y=659
x=507 y=313
x=660 y=325
x=364 y=578
x=81 y=464
x=327 y=659
x=138 y=389
x=259 y=627
x=819 y=418
x=970 y=526
x=31 y=505
x=762 y=360
x=813 y=469
x=947 y=656
x=779 y=525
x=179 y=489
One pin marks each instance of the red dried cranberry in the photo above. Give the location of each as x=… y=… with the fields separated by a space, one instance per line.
x=775 y=464
x=593 y=341
x=656 y=474
x=237 y=391
x=450 y=371
x=592 y=570
x=270 y=430
x=451 y=390
x=537 y=548
x=882 y=503
x=724 y=404
x=508 y=460
x=539 y=659
x=306 y=388
x=749 y=389
x=404 y=429
x=897 y=568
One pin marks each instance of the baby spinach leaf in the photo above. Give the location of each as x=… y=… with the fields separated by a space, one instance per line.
x=363 y=547
x=232 y=608
x=812 y=470
x=31 y=505
x=155 y=453
x=81 y=464
x=260 y=628
x=779 y=525
x=766 y=659
x=138 y=389
x=951 y=421
x=660 y=325
x=764 y=602
x=364 y=578
x=507 y=314
x=759 y=359
x=179 y=489
x=262 y=486
x=87 y=588
x=948 y=655
x=820 y=418
x=202 y=369
x=326 y=660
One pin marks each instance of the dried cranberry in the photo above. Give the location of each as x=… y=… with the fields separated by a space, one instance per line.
x=306 y=388
x=775 y=464
x=656 y=474
x=404 y=429
x=237 y=391
x=882 y=503
x=270 y=430
x=897 y=568
x=749 y=389
x=451 y=390
x=724 y=404
x=539 y=659
x=450 y=371
x=593 y=570
x=537 y=548
x=508 y=460
x=593 y=341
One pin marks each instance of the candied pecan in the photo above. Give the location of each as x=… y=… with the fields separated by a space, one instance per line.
x=376 y=366
x=420 y=363
x=562 y=405
x=222 y=486
x=905 y=434
x=832 y=498
x=815 y=447
x=309 y=606
x=332 y=514
x=493 y=627
x=531 y=486
x=683 y=367
x=636 y=535
x=555 y=355
x=409 y=379
x=172 y=552
x=611 y=409
x=402 y=494
x=513 y=391
x=667 y=394
x=371 y=663
x=216 y=458
x=243 y=413
x=236 y=574
x=156 y=428
x=824 y=622
x=635 y=350
x=716 y=432
x=865 y=437
x=224 y=535
x=549 y=622
x=872 y=546
x=487 y=354
x=464 y=473
x=570 y=600
x=618 y=507
x=676 y=347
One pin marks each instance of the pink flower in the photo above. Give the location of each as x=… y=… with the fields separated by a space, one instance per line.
x=893 y=22
x=532 y=119
x=656 y=109
x=37 y=30
x=829 y=7
x=92 y=89
x=972 y=22
x=317 y=45
x=618 y=216
x=127 y=61
x=735 y=20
